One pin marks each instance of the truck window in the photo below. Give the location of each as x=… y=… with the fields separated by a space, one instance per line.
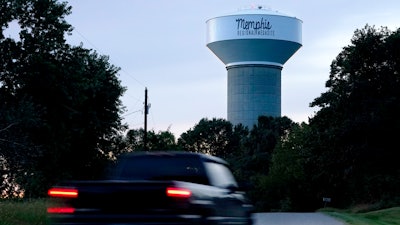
x=162 y=168
x=220 y=175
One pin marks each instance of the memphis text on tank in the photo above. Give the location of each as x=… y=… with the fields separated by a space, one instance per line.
x=252 y=27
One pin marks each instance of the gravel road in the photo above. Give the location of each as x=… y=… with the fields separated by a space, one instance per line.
x=294 y=219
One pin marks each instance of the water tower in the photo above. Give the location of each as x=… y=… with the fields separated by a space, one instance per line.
x=254 y=44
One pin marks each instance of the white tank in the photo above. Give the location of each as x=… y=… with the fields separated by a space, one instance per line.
x=254 y=44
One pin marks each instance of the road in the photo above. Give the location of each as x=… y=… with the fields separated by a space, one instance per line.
x=294 y=219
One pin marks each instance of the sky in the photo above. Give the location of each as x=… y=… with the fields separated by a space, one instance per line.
x=161 y=46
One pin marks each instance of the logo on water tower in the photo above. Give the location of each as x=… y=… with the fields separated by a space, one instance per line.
x=260 y=27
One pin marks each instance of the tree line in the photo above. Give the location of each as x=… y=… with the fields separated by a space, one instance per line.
x=60 y=118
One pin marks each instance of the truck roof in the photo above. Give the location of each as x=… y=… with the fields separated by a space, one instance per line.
x=175 y=153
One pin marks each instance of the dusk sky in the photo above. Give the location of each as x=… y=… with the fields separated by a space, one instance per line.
x=161 y=46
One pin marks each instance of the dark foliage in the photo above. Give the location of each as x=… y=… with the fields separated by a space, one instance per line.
x=356 y=128
x=60 y=119
x=210 y=137
x=161 y=141
x=59 y=104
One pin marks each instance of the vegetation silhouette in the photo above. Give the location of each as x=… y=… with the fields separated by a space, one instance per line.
x=60 y=118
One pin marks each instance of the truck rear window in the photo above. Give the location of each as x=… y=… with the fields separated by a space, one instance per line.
x=161 y=167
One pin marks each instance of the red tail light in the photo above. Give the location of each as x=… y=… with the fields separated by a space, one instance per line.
x=60 y=210
x=63 y=192
x=178 y=192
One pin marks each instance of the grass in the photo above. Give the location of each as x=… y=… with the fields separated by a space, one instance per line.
x=23 y=212
x=389 y=216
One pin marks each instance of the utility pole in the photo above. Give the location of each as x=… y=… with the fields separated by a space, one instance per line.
x=146 y=111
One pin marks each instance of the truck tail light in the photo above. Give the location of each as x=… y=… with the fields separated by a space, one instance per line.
x=63 y=192
x=178 y=192
x=63 y=210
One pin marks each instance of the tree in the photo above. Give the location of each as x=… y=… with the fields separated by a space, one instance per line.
x=161 y=141
x=288 y=186
x=261 y=142
x=357 y=125
x=253 y=165
x=211 y=137
x=248 y=152
x=72 y=92
x=17 y=149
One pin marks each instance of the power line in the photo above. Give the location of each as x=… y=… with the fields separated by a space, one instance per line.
x=140 y=110
x=97 y=49
x=146 y=107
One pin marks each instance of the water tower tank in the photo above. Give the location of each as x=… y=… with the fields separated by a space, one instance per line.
x=254 y=44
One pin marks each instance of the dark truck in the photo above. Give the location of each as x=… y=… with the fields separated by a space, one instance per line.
x=154 y=188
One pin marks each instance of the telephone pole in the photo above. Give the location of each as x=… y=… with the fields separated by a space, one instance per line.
x=146 y=111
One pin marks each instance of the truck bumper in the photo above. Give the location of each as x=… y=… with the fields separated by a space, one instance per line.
x=129 y=220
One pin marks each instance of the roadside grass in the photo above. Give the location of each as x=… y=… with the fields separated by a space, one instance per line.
x=390 y=216
x=23 y=212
